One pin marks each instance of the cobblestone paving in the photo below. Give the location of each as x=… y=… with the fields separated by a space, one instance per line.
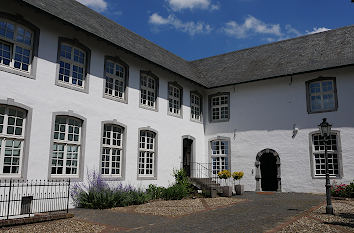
x=276 y=212
x=318 y=221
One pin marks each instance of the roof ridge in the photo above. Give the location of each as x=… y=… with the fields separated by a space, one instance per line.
x=275 y=42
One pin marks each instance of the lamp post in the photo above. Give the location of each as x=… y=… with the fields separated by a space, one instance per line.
x=325 y=129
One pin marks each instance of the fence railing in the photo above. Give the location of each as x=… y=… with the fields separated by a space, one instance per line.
x=20 y=198
x=203 y=171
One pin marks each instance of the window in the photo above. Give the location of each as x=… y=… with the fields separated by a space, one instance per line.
x=72 y=59
x=148 y=90
x=112 y=150
x=196 y=107
x=220 y=155
x=116 y=80
x=174 y=99
x=66 y=146
x=219 y=105
x=322 y=95
x=318 y=155
x=147 y=153
x=12 y=137
x=16 y=45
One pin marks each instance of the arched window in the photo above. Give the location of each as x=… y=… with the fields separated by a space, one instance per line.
x=16 y=45
x=73 y=60
x=196 y=106
x=175 y=97
x=148 y=90
x=66 y=146
x=147 y=153
x=116 y=79
x=12 y=137
x=220 y=155
x=112 y=150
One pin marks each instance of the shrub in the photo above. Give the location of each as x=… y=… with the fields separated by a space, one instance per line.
x=176 y=192
x=155 y=192
x=97 y=194
x=181 y=189
x=343 y=190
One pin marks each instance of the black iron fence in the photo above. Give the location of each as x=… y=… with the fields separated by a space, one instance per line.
x=24 y=198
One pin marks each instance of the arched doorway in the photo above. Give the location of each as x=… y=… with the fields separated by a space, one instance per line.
x=268 y=171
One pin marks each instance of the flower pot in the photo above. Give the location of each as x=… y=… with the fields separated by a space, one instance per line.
x=227 y=191
x=239 y=189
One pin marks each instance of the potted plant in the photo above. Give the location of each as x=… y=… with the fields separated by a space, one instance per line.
x=239 y=189
x=226 y=189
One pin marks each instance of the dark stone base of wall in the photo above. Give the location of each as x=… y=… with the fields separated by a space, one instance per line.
x=34 y=219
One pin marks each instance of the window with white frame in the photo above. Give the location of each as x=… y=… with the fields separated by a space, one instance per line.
x=66 y=146
x=147 y=153
x=115 y=80
x=174 y=99
x=219 y=155
x=112 y=150
x=16 y=45
x=72 y=65
x=148 y=91
x=322 y=95
x=219 y=105
x=318 y=155
x=196 y=107
x=12 y=137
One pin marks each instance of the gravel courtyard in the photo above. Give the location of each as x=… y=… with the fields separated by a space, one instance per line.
x=252 y=212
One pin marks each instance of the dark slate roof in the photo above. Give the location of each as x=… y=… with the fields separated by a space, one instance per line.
x=83 y=17
x=319 y=51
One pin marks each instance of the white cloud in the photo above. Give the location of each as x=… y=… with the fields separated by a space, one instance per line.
x=190 y=27
x=98 y=5
x=178 y=5
x=251 y=25
x=317 y=30
x=292 y=31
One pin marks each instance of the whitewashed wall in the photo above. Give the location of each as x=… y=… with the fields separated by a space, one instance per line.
x=44 y=97
x=262 y=116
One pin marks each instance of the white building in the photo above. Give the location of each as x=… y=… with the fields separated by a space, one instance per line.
x=79 y=92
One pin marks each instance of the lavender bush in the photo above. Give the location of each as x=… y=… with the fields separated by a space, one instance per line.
x=95 y=193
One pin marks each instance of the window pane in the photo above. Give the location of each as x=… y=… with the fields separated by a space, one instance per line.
x=12 y=156
x=5 y=53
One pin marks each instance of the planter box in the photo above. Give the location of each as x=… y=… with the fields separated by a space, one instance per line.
x=239 y=189
x=227 y=191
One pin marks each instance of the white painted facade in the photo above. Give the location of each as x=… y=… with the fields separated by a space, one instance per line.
x=262 y=115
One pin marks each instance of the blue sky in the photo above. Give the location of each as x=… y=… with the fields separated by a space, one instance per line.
x=196 y=29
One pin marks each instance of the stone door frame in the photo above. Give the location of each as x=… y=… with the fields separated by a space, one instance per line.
x=258 y=168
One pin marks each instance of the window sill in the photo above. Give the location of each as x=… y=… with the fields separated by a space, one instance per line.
x=218 y=121
x=112 y=178
x=175 y=115
x=324 y=177
x=71 y=87
x=60 y=178
x=148 y=108
x=146 y=178
x=322 y=111
x=17 y=72
x=124 y=101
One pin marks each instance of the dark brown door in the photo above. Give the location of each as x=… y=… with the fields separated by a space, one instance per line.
x=269 y=172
